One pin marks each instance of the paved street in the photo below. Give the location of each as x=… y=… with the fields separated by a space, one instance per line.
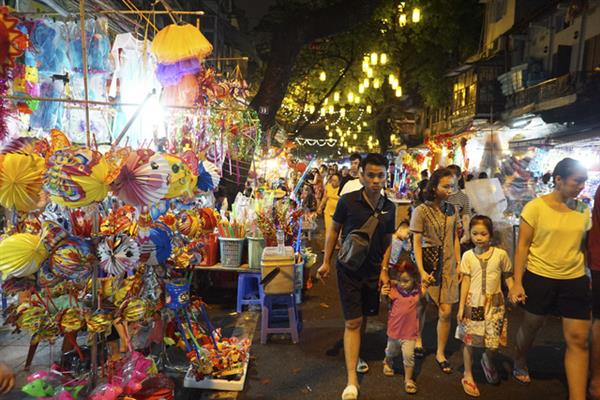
x=314 y=368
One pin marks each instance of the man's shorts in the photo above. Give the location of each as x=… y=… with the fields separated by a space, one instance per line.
x=568 y=298
x=596 y=294
x=359 y=295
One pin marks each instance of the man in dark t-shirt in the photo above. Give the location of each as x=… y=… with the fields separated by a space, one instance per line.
x=358 y=289
x=355 y=160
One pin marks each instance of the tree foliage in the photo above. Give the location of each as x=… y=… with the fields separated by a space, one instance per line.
x=418 y=55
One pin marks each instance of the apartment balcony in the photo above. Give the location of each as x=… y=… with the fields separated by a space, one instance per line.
x=559 y=92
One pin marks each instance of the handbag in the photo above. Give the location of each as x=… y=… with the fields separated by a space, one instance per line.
x=433 y=256
x=357 y=243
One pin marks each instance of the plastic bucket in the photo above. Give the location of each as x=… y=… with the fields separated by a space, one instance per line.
x=256 y=246
x=231 y=251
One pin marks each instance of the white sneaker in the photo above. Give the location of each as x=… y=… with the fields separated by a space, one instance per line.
x=362 y=367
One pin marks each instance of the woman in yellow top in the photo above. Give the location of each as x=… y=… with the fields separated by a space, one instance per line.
x=330 y=199
x=550 y=275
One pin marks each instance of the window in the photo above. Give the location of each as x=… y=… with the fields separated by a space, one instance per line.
x=592 y=54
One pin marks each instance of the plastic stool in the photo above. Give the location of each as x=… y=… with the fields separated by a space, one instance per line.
x=248 y=286
x=269 y=314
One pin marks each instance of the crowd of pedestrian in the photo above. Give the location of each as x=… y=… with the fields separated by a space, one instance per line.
x=445 y=256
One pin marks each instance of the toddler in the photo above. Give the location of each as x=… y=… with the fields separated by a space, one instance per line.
x=404 y=292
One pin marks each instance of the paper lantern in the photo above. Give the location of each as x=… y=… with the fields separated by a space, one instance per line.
x=77 y=177
x=21 y=178
x=175 y=43
x=142 y=179
x=22 y=255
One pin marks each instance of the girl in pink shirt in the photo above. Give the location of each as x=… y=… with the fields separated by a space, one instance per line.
x=404 y=292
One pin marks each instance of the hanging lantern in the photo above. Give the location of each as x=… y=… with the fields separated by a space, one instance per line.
x=179 y=42
x=366 y=83
x=355 y=136
x=383 y=59
x=374 y=57
x=331 y=109
x=369 y=109
x=376 y=83
x=356 y=100
x=399 y=91
x=416 y=15
x=350 y=97
x=322 y=76
x=402 y=20
x=365 y=65
x=342 y=112
x=361 y=88
x=370 y=72
x=336 y=96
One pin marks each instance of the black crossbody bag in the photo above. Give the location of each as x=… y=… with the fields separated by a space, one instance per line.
x=357 y=243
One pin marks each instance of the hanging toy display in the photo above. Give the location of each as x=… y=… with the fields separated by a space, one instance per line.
x=12 y=44
x=179 y=49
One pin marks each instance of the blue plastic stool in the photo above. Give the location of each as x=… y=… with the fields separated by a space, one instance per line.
x=270 y=315
x=249 y=290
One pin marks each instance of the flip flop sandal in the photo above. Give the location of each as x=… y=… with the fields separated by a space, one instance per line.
x=419 y=352
x=410 y=386
x=491 y=374
x=470 y=388
x=350 y=393
x=521 y=375
x=444 y=366
x=362 y=367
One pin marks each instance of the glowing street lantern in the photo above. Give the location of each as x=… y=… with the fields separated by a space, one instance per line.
x=331 y=109
x=399 y=91
x=322 y=76
x=376 y=83
x=402 y=20
x=361 y=88
x=369 y=109
x=350 y=97
x=343 y=112
x=383 y=59
x=416 y=15
x=374 y=57
x=355 y=136
x=323 y=111
x=391 y=79
x=365 y=66
x=356 y=100
x=336 y=96
x=366 y=83
x=370 y=72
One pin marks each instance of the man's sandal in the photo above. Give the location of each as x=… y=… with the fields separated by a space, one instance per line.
x=362 y=367
x=350 y=393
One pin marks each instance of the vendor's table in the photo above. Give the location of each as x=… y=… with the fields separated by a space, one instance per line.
x=220 y=267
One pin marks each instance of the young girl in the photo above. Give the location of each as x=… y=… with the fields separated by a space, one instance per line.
x=481 y=314
x=404 y=292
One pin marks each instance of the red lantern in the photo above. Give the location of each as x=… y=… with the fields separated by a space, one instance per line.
x=301 y=167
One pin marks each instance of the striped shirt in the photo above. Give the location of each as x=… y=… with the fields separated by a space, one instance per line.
x=461 y=200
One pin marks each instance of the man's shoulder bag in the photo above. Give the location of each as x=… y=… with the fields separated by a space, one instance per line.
x=357 y=243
